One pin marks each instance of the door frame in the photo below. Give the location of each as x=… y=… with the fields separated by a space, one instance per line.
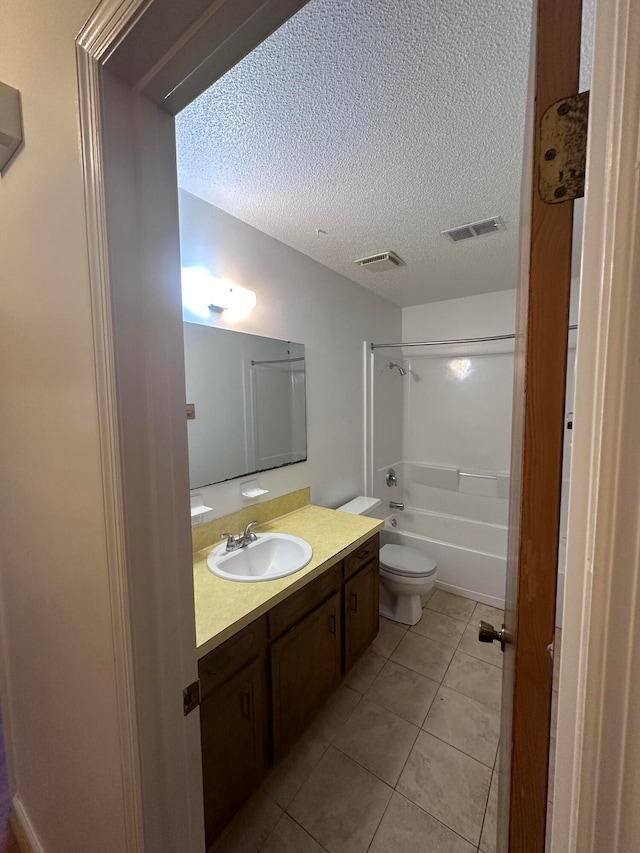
x=598 y=695
x=164 y=54
x=540 y=358
x=146 y=629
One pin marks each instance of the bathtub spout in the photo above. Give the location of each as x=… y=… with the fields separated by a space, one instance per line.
x=396 y=505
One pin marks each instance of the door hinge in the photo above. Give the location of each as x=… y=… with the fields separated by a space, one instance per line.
x=191 y=697
x=563 y=149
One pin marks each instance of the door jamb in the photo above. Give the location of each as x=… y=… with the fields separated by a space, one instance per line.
x=601 y=621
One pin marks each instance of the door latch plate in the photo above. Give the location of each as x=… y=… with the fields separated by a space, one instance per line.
x=563 y=149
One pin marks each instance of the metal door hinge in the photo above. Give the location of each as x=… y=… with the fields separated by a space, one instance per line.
x=563 y=149
x=191 y=697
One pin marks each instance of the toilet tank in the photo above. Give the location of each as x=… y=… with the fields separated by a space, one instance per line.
x=360 y=506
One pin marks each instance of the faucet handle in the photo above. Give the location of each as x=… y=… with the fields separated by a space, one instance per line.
x=248 y=535
x=232 y=542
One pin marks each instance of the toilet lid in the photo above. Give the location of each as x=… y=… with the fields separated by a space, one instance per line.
x=407 y=562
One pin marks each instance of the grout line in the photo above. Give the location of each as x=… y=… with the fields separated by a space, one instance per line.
x=486 y=809
x=393 y=790
x=304 y=829
x=437 y=820
x=457 y=748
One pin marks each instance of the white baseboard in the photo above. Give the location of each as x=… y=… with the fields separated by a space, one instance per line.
x=469 y=593
x=24 y=829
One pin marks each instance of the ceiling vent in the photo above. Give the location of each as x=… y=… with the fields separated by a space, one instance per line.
x=475 y=229
x=381 y=262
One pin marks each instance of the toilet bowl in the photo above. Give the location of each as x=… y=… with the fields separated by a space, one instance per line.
x=406 y=574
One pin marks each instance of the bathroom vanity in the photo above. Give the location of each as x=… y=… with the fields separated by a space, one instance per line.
x=268 y=670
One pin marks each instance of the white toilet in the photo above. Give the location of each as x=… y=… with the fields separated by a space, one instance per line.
x=406 y=573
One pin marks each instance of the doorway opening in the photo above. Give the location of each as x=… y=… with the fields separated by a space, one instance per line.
x=337 y=157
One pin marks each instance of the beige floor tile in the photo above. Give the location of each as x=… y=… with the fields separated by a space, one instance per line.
x=250 y=828
x=341 y=804
x=403 y=691
x=425 y=656
x=363 y=673
x=485 y=612
x=378 y=740
x=336 y=711
x=451 y=605
x=448 y=784
x=389 y=635
x=288 y=837
x=490 y=825
x=476 y=679
x=406 y=828
x=285 y=780
x=437 y=626
x=471 y=645
x=465 y=724
x=425 y=598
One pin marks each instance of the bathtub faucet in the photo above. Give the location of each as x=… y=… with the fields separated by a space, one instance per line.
x=396 y=505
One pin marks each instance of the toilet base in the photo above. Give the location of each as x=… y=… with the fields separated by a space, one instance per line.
x=403 y=608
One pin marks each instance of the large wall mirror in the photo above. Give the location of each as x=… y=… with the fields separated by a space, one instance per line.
x=245 y=401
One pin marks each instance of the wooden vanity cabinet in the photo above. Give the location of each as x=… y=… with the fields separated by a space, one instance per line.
x=262 y=687
x=361 y=596
x=234 y=724
x=305 y=669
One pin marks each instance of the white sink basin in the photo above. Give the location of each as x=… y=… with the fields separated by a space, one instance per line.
x=272 y=555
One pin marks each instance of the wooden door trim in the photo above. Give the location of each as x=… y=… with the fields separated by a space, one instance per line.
x=540 y=363
x=598 y=697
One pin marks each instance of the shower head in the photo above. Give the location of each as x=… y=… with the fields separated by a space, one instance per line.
x=400 y=369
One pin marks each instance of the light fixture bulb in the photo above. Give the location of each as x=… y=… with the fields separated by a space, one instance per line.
x=203 y=293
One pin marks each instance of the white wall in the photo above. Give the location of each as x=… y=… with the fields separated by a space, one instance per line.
x=471 y=316
x=457 y=405
x=58 y=690
x=303 y=301
x=457 y=400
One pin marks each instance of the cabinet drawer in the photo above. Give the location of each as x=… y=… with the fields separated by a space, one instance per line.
x=361 y=556
x=221 y=663
x=284 y=616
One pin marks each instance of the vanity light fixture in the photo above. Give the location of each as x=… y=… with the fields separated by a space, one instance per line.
x=203 y=293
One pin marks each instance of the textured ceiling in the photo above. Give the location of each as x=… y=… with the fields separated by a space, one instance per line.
x=381 y=123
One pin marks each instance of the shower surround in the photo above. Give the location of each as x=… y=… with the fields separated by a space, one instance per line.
x=451 y=460
x=445 y=427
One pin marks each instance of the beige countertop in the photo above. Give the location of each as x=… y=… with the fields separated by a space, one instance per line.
x=224 y=607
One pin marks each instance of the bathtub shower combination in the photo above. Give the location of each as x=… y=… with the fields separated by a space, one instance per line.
x=440 y=418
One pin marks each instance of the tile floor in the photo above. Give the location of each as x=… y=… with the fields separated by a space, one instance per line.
x=402 y=759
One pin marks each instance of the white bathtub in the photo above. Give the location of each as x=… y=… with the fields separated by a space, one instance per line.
x=471 y=555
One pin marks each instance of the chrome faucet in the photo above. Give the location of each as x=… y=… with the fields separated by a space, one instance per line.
x=248 y=536
x=242 y=539
x=396 y=505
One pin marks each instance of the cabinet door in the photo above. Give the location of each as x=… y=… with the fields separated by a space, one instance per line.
x=233 y=735
x=361 y=603
x=305 y=668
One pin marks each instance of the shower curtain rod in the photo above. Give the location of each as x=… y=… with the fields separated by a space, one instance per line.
x=278 y=361
x=452 y=341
